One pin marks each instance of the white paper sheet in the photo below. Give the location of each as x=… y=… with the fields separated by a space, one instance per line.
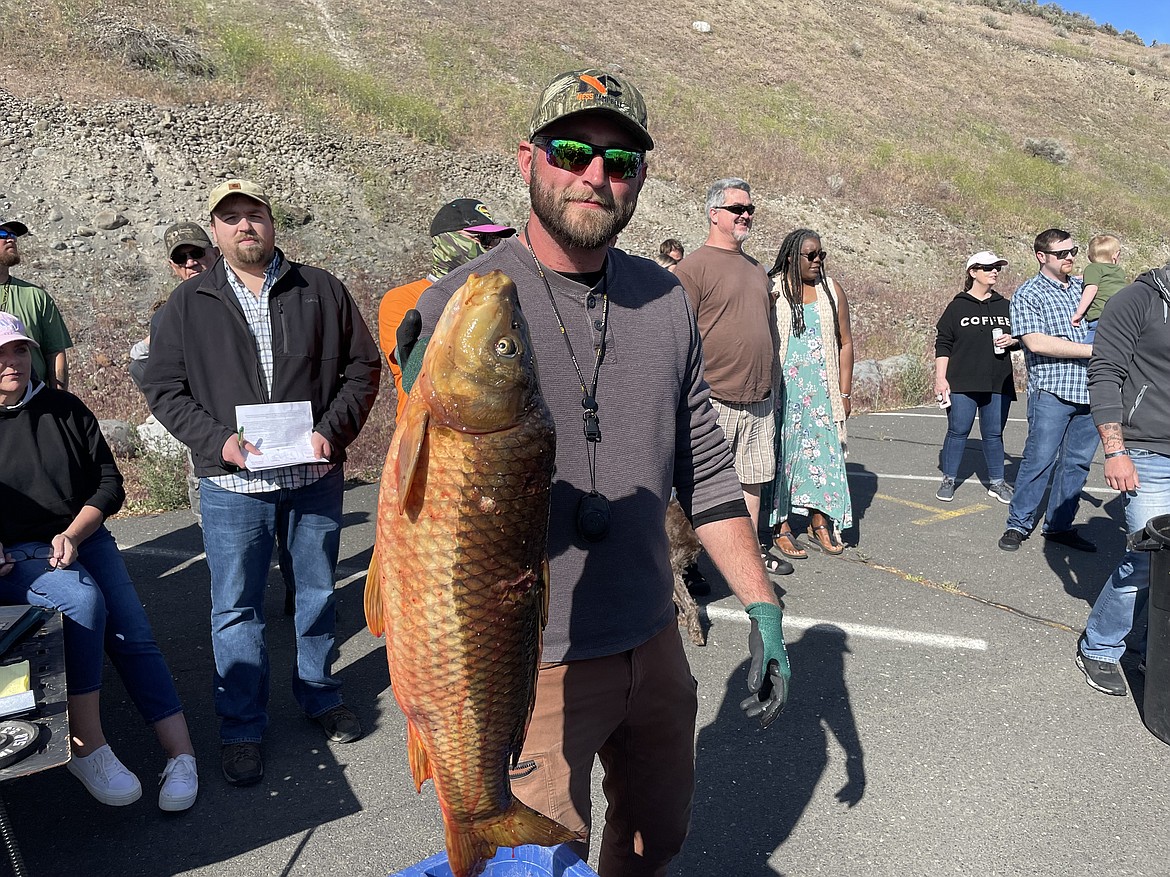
x=282 y=431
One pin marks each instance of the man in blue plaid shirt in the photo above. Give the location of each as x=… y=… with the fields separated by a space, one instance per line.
x=1061 y=435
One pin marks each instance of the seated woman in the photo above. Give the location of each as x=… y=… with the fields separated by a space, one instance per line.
x=816 y=364
x=58 y=483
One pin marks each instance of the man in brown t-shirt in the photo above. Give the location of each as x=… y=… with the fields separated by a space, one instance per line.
x=729 y=291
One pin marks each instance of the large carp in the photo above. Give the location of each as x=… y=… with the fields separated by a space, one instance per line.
x=459 y=578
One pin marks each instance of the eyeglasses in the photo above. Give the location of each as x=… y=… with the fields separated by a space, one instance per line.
x=184 y=256
x=5 y=233
x=816 y=255
x=575 y=156
x=1063 y=254
x=16 y=555
x=738 y=209
x=985 y=267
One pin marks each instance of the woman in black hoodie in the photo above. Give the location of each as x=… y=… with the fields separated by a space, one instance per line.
x=973 y=373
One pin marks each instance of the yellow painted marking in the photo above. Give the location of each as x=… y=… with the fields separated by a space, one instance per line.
x=936 y=516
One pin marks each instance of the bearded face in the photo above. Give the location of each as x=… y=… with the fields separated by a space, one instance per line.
x=561 y=212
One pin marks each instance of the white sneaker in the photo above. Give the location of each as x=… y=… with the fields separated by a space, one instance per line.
x=179 y=784
x=106 y=778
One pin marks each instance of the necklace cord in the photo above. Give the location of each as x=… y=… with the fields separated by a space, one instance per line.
x=592 y=424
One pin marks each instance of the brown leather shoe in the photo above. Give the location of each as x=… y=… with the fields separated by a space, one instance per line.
x=242 y=764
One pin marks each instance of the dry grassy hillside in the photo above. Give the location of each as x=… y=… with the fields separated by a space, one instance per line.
x=911 y=132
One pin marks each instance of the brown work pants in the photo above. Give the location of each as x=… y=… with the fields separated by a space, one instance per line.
x=636 y=711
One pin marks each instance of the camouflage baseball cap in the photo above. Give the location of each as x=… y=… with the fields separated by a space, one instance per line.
x=237 y=187
x=583 y=90
x=185 y=234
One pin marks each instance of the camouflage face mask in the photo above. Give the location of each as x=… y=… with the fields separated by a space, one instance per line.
x=452 y=249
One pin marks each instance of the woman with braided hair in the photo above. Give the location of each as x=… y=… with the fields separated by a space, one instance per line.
x=815 y=360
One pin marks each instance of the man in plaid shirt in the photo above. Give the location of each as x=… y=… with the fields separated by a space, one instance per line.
x=1061 y=435
x=258 y=328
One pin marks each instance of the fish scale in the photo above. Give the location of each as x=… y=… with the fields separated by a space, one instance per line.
x=459 y=576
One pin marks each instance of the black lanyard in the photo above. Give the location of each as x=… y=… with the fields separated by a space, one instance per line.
x=588 y=393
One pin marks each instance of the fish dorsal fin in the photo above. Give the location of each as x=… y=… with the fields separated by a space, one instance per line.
x=373 y=595
x=410 y=449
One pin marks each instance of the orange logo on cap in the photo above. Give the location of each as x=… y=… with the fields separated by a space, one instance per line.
x=233 y=186
x=596 y=83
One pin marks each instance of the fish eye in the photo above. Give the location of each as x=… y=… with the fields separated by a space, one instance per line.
x=506 y=347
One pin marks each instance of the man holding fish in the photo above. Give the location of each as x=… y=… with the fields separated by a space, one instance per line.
x=621 y=370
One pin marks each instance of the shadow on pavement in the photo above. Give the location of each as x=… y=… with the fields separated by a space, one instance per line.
x=62 y=830
x=753 y=786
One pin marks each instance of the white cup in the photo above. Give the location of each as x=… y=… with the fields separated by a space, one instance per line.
x=995 y=334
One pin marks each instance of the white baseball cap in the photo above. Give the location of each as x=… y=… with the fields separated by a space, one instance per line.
x=11 y=329
x=985 y=258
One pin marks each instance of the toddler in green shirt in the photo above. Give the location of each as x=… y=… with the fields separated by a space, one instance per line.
x=1103 y=277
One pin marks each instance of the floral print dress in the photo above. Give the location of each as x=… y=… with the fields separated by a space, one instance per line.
x=811 y=470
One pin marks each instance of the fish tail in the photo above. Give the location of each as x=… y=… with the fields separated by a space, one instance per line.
x=373 y=595
x=470 y=848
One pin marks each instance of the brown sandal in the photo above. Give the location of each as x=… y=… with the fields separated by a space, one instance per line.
x=785 y=543
x=825 y=539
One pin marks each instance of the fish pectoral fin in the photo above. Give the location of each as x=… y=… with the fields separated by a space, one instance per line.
x=468 y=847
x=410 y=449
x=373 y=596
x=420 y=762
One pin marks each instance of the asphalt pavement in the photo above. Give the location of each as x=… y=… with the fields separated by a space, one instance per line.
x=937 y=724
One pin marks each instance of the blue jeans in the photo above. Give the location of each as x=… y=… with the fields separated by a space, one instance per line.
x=993 y=412
x=101 y=610
x=238 y=534
x=1061 y=442
x=1129 y=585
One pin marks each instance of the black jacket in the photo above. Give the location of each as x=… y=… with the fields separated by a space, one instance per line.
x=1129 y=374
x=203 y=360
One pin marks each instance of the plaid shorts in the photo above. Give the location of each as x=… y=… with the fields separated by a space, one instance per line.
x=750 y=428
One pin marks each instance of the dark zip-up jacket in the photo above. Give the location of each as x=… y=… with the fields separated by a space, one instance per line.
x=204 y=361
x=1129 y=373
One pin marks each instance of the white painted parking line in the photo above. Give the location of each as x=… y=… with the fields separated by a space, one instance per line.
x=865 y=631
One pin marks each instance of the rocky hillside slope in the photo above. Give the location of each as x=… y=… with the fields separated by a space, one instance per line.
x=910 y=132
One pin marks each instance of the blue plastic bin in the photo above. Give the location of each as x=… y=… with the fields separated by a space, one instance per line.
x=525 y=861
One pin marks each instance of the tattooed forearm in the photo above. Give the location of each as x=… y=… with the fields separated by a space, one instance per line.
x=1111 y=439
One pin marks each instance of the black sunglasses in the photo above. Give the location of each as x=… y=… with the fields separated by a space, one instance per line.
x=986 y=267
x=816 y=255
x=739 y=209
x=575 y=156
x=184 y=256
x=1063 y=254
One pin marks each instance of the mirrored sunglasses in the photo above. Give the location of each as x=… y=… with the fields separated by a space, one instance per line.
x=575 y=156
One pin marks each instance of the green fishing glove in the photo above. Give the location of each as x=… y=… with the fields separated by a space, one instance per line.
x=768 y=674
